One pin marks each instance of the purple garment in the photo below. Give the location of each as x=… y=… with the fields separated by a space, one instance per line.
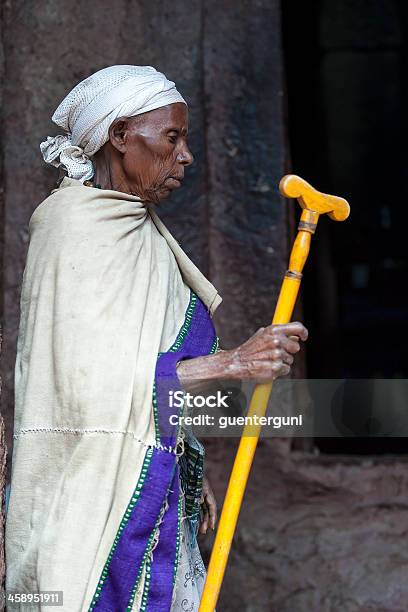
x=121 y=574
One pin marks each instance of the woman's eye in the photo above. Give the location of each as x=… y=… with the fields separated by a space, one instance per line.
x=173 y=139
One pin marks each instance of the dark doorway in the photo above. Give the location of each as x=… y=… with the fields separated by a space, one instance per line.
x=346 y=72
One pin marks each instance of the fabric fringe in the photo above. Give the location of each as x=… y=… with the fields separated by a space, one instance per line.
x=156 y=536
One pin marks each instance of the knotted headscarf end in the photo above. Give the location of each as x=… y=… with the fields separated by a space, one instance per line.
x=59 y=151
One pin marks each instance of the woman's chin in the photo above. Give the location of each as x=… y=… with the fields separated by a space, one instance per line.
x=159 y=195
x=163 y=194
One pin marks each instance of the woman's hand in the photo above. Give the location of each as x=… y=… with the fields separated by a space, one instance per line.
x=267 y=354
x=209 y=507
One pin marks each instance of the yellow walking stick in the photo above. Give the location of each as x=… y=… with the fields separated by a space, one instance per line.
x=313 y=204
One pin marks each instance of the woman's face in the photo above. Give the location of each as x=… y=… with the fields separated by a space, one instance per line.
x=155 y=151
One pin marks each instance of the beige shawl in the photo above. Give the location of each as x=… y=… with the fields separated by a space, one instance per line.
x=105 y=289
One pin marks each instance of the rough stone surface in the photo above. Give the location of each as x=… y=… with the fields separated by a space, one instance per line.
x=228 y=216
x=316 y=533
x=248 y=221
x=48 y=50
x=3 y=457
x=3 y=449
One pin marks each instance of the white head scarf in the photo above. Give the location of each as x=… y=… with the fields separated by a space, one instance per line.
x=90 y=108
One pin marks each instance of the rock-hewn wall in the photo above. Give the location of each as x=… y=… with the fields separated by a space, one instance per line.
x=3 y=456
x=228 y=216
x=3 y=451
x=316 y=533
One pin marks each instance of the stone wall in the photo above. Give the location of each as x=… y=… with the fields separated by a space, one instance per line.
x=317 y=533
x=228 y=216
x=3 y=456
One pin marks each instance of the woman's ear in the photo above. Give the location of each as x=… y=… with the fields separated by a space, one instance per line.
x=118 y=133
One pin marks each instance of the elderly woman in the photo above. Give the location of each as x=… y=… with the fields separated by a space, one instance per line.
x=106 y=493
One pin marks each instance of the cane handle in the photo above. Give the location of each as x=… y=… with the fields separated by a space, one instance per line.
x=292 y=186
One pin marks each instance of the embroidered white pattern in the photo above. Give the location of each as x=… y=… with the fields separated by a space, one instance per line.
x=69 y=430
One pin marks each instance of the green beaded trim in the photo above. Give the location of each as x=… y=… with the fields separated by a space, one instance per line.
x=176 y=563
x=215 y=345
x=155 y=414
x=175 y=347
x=186 y=325
x=145 y=558
x=139 y=574
x=123 y=523
x=146 y=587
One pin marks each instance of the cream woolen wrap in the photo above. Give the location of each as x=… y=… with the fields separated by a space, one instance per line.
x=105 y=289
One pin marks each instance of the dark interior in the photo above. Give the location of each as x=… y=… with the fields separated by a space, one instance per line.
x=346 y=83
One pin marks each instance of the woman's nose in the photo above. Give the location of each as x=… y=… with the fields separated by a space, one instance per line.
x=185 y=157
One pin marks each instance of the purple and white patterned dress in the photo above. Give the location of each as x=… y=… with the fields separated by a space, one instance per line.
x=155 y=564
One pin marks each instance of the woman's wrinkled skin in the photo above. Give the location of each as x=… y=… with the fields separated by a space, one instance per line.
x=146 y=156
x=209 y=507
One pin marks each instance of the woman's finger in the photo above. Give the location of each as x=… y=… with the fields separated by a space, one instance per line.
x=287 y=358
x=204 y=522
x=290 y=329
x=212 y=509
x=290 y=345
x=277 y=341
